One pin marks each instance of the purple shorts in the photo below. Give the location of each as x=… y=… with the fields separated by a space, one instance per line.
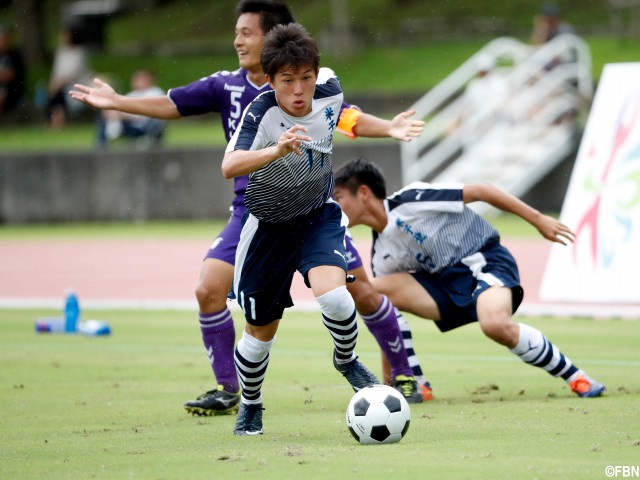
x=226 y=243
x=353 y=257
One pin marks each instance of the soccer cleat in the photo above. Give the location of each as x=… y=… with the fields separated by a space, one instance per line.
x=585 y=386
x=214 y=402
x=426 y=391
x=408 y=387
x=249 y=420
x=356 y=373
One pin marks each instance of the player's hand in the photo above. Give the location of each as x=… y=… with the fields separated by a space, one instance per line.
x=291 y=141
x=553 y=230
x=404 y=128
x=102 y=96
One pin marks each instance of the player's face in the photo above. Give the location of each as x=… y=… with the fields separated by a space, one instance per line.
x=294 y=89
x=349 y=203
x=248 y=41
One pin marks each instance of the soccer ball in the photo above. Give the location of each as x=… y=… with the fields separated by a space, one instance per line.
x=378 y=414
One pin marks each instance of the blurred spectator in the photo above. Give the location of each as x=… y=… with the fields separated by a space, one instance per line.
x=12 y=73
x=547 y=24
x=70 y=66
x=146 y=131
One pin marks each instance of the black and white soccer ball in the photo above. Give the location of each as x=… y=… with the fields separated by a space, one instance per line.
x=378 y=414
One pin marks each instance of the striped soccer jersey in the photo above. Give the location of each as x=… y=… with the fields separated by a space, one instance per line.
x=428 y=228
x=293 y=185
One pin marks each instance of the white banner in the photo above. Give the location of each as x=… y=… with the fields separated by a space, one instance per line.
x=602 y=205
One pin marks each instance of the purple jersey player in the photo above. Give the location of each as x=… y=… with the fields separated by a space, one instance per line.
x=229 y=93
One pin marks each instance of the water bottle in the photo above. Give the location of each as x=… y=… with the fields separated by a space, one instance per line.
x=71 y=312
x=94 y=328
x=50 y=325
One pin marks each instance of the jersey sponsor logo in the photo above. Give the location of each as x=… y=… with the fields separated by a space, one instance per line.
x=255 y=117
x=408 y=229
x=234 y=88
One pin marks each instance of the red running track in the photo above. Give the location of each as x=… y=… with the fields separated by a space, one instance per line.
x=154 y=271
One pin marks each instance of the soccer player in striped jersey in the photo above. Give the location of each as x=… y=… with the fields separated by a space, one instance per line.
x=229 y=93
x=435 y=257
x=284 y=143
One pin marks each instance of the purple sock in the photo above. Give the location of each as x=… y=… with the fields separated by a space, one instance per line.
x=219 y=337
x=383 y=325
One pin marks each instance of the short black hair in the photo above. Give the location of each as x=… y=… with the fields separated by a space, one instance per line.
x=288 y=46
x=271 y=12
x=360 y=171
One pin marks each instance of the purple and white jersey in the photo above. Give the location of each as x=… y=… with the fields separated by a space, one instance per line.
x=293 y=185
x=225 y=92
x=428 y=228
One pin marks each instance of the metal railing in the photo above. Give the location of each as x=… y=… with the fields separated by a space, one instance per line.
x=521 y=132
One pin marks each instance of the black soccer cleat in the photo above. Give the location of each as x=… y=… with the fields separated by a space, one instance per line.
x=408 y=387
x=249 y=420
x=214 y=402
x=356 y=373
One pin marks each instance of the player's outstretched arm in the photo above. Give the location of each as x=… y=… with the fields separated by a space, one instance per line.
x=549 y=227
x=104 y=97
x=402 y=127
x=244 y=162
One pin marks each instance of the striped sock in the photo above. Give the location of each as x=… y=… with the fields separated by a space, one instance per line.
x=535 y=349
x=339 y=316
x=408 y=346
x=344 y=334
x=251 y=359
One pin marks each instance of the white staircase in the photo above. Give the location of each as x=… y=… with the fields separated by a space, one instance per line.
x=523 y=129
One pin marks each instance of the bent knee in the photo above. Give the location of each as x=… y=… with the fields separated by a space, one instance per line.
x=366 y=298
x=501 y=330
x=337 y=304
x=211 y=295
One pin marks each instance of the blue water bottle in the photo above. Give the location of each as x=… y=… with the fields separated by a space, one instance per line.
x=71 y=312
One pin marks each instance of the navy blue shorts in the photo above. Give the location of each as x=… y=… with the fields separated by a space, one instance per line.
x=225 y=244
x=455 y=289
x=269 y=254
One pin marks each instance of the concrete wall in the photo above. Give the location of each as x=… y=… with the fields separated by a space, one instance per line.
x=165 y=184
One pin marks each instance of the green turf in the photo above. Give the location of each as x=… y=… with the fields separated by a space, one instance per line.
x=111 y=408
x=110 y=230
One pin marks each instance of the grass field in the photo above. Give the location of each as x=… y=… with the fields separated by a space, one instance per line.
x=111 y=407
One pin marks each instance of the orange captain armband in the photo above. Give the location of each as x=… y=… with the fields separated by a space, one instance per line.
x=348 y=121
